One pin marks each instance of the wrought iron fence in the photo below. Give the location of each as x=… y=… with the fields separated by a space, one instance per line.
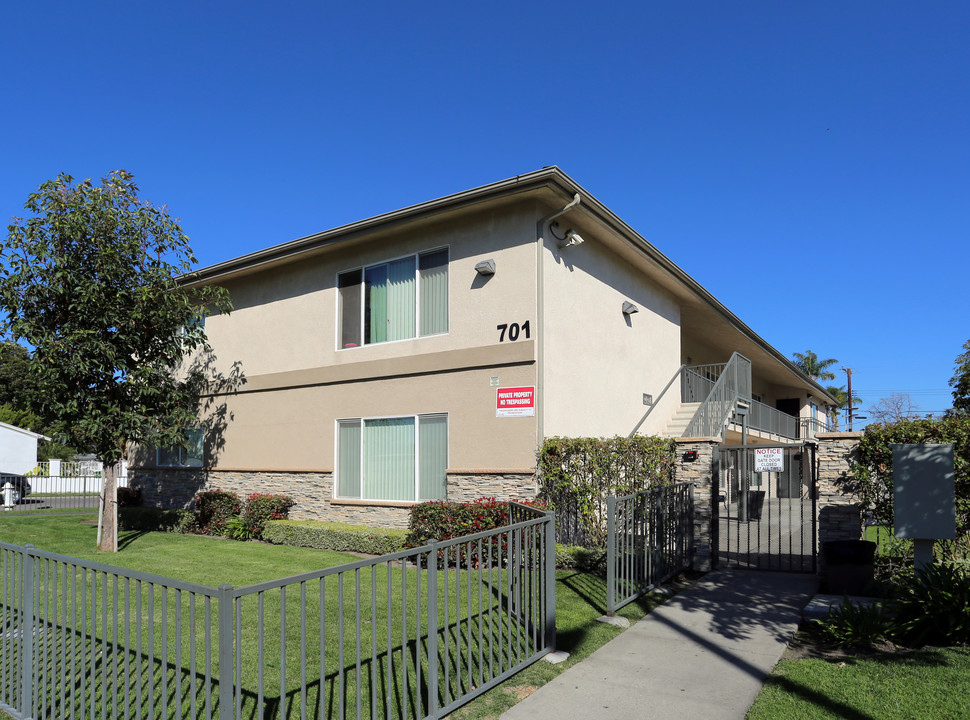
x=413 y=634
x=32 y=494
x=650 y=538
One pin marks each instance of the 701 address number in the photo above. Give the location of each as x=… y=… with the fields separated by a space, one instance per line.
x=513 y=331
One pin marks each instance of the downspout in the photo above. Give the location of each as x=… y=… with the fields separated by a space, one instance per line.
x=540 y=316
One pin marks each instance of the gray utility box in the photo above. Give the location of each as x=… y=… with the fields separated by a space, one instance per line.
x=924 y=500
x=924 y=497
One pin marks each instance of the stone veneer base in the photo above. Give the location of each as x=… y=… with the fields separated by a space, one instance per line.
x=313 y=491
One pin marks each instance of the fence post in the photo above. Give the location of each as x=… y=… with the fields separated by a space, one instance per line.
x=27 y=636
x=691 y=544
x=550 y=619
x=432 y=704
x=226 y=644
x=610 y=555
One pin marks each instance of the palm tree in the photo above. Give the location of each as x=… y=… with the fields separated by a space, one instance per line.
x=809 y=364
x=842 y=397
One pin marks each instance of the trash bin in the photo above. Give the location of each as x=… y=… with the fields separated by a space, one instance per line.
x=849 y=566
x=756 y=502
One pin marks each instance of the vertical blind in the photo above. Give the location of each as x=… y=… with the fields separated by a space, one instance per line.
x=401 y=299
x=348 y=458
x=433 y=270
x=388 y=472
x=432 y=456
x=381 y=459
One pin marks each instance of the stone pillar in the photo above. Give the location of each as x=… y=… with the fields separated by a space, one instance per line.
x=838 y=513
x=701 y=473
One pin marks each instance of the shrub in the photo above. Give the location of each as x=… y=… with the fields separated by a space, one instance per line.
x=237 y=529
x=128 y=497
x=577 y=474
x=259 y=509
x=439 y=520
x=151 y=519
x=934 y=606
x=575 y=557
x=338 y=537
x=214 y=508
x=871 y=479
x=852 y=625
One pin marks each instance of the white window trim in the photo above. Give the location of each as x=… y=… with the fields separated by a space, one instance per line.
x=417 y=301
x=417 y=454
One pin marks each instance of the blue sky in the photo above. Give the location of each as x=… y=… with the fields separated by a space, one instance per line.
x=755 y=143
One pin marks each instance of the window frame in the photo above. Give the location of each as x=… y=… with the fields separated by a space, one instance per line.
x=182 y=452
x=362 y=299
x=416 y=417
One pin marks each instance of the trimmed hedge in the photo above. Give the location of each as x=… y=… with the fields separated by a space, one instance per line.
x=576 y=475
x=338 y=537
x=441 y=520
x=152 y=519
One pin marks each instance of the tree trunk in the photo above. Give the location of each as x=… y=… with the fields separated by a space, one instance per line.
x=109 y=512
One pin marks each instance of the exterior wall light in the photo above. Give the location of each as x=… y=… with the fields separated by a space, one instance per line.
x=485 y=267
x=629 y=308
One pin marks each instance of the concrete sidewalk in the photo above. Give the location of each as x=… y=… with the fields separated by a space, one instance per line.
x=705 y=653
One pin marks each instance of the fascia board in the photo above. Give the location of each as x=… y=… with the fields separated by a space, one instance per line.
x=550 y=176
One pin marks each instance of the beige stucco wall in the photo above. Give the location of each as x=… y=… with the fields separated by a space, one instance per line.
x=598 y=362
x=292 y=382
x=293 y=429
x=286 y=318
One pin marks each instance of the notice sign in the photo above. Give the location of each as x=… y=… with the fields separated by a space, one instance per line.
x=769 y=459
x=515 y=402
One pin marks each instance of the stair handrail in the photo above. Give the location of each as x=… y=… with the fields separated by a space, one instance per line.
x=733 y=386
x=656 y=400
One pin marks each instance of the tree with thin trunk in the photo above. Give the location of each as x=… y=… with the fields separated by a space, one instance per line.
x=960 y=382
x=94 y=281
x=816 y=369
x=893 y=409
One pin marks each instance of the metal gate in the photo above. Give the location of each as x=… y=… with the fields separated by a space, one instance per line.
x=765 y=515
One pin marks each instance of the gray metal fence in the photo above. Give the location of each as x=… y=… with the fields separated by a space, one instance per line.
x=413 y=634
x=650 y=538
x=46 y=494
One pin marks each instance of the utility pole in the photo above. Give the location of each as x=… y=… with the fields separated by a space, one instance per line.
x=848 y=373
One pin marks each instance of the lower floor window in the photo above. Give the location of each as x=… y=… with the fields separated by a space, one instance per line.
x=398 y=458
x=188 y=456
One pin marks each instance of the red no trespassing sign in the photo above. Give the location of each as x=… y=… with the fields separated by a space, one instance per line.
x=515 y=402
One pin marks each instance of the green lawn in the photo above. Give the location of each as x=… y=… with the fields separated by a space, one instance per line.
x=212 y=561
x=928 y=684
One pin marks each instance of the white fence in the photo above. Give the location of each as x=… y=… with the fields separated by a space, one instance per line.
x=82 y=477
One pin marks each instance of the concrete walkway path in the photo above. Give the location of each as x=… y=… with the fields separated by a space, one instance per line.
x=705 y=653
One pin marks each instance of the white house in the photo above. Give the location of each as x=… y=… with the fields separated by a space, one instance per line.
x=18 y=449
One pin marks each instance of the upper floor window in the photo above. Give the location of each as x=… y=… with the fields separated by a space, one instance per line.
x=189 y=456
x=396 y=300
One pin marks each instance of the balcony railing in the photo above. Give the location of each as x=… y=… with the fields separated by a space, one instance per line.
x=731 y=384
x=719 y=387
x=766 y=419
